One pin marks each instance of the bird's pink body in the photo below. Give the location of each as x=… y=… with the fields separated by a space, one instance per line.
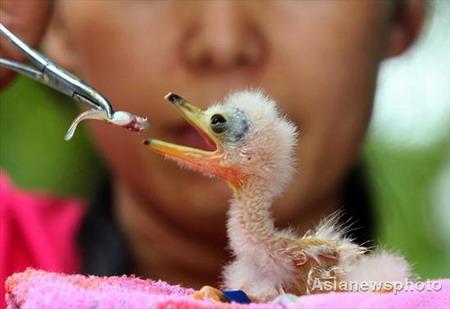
x=254 y=155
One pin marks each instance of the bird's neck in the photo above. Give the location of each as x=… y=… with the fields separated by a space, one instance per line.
x=250 y=223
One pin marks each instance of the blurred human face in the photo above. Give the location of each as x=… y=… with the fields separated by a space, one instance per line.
x=318 y=59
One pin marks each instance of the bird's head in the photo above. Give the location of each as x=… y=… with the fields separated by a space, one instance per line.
x=252 y=141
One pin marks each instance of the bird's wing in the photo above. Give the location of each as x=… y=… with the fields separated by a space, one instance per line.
x=311 y=258
x=309 y=250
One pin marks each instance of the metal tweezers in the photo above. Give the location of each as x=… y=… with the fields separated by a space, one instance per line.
x=52 y=75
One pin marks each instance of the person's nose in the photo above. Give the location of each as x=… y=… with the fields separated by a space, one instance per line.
x=222 y=39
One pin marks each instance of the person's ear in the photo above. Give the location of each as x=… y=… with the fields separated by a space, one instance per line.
x=406 y=24
x=57 y=44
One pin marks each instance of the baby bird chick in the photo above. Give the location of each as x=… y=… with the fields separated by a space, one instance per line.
x=254 y=154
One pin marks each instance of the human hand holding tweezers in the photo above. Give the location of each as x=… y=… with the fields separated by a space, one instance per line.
x=52 y=75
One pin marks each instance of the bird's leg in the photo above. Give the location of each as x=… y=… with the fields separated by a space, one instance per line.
x=208 y=292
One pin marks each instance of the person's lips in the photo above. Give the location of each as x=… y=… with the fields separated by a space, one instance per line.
x=186 y=135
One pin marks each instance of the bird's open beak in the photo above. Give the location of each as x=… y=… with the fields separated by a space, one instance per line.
x=207 y=162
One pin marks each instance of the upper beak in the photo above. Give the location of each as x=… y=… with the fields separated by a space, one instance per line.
x=196 y=117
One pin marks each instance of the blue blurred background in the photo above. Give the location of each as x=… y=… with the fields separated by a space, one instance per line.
x=407 y=150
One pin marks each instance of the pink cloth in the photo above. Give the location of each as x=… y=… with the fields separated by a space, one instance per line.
x=40 y=289
x=36 y=230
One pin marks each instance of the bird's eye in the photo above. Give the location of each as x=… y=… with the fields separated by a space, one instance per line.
x=218 y=123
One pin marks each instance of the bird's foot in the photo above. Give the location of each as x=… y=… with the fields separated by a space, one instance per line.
x=208 y=292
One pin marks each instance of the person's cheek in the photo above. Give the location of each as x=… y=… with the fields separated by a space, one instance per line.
x=323 y=76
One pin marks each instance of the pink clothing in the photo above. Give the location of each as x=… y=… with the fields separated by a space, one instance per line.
x=38 y=231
